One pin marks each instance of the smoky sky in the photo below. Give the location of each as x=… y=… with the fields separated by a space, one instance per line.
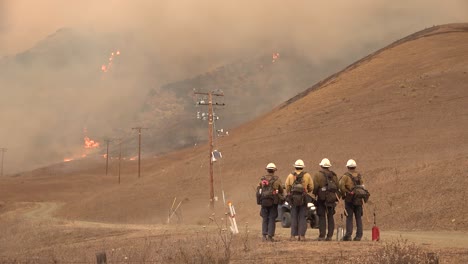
x=49 y=93
x=188 y=27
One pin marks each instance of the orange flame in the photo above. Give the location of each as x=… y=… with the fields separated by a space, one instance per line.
x=89 y=143
x=275 y=56
x=105 y=68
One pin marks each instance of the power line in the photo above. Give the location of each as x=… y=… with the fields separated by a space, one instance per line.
x=107 y=153
x=120 y=155
x=211 y=117
x=3 y=150
x=139 y=147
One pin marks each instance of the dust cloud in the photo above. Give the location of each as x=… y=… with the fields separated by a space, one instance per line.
x=51 y=53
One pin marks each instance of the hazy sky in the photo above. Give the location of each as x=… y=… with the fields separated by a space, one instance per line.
x=45 y=104
x=195 y=24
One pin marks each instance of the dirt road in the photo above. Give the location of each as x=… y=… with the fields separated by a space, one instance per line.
x=33 y=229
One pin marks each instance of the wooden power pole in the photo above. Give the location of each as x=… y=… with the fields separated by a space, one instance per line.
x=120 y=155
x=139 y=147
x=3 y=150
x=107 y=154
x=211 y=117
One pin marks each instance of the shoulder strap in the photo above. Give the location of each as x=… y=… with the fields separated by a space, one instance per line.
x=356 y=180
x=298 y=177
x=273 y=179
x=359 y=178
x=295 y=174
x=327 y=175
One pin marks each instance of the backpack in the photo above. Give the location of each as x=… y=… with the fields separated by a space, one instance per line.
x=328 y=192
x=265 y=192
x=298 y=190
x=360 y=192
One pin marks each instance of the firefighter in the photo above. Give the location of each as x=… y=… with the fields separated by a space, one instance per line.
x=353 y=205
x=269 y=195
x=299 y=187
x=327 y=191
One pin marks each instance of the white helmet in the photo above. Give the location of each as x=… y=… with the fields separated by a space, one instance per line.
x=299 y=164
x=325 y=163
x=270 y=166
x=351 y=163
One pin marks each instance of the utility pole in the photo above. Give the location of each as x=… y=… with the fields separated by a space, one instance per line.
x=139 y=147
x=120 y=155
x=107 y=154
x=3 y=150
x=211 y=117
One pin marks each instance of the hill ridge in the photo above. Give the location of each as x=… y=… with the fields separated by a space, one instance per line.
x=459 y=27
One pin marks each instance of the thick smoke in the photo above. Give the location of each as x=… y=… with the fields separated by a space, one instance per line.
x=52 y=87
x=191 y=28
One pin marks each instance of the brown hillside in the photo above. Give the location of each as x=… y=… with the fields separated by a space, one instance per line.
x=401 y=113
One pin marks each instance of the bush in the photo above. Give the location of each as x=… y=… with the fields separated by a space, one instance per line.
x=401 y=251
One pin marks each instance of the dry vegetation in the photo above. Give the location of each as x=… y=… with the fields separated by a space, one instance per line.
x=400 y=114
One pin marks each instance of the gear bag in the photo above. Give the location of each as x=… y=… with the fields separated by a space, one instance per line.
x=361 y=194
x=265 y=193
x=298 y=190
x=328 y=192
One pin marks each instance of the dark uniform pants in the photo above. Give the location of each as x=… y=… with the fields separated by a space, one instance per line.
x=326 y=212
x=269 y=215
x=298 y=220
x=357 y=211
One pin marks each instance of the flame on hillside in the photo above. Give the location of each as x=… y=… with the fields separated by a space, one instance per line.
x=275 y=56
x=106 y=67
x=89 y=143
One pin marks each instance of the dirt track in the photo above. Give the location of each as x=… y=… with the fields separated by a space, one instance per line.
x=89 y=237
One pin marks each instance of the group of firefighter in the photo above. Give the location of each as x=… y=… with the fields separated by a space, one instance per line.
x=323 y=189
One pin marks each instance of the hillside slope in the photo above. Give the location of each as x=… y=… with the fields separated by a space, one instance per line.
x=401 y=113
x=62 y=83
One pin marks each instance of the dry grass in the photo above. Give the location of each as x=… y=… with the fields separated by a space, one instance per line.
x=216 y=244
x=399 y=251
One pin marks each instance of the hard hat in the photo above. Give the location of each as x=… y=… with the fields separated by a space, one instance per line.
x=299 y=164
x=325 y=163
x=351 y=163
x=271 y=166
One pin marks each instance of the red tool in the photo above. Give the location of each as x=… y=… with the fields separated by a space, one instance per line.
x=375 y=231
